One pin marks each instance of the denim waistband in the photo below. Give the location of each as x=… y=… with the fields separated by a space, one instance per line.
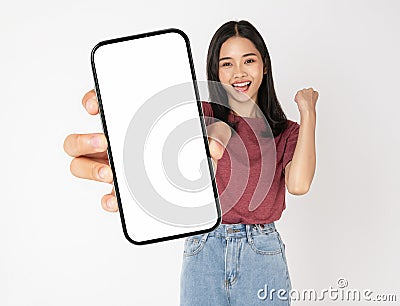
x=238 y=230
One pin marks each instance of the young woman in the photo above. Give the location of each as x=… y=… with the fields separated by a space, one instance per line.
x=241 y=262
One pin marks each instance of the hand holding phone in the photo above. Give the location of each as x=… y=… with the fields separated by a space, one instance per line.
x=151 y=116
x=90 y=159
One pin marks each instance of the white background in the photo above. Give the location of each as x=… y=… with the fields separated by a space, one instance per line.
x=58 y=247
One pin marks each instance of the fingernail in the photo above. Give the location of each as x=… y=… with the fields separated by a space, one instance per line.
x=111 y=203
x=103 y=172
x=96 y=142
x=91 y=104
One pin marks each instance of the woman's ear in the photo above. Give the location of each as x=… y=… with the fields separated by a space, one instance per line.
x=265 y=70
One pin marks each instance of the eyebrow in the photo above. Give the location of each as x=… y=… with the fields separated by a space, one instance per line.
x=244 y=55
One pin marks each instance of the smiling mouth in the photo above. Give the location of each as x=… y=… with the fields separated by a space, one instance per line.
x=241 y=87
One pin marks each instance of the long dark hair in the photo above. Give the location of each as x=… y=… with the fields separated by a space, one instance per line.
x=267 y=100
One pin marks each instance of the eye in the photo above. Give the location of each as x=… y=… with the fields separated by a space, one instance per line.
x=226 y=64
x=250 y=60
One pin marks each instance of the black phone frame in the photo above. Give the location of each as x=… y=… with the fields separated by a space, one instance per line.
x=201 y=117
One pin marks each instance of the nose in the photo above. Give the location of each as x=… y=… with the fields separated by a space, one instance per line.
x=239 y=71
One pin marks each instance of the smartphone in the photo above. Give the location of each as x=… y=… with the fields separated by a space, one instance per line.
x=152 y=117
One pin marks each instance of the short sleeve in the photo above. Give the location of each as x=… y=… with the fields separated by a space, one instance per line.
x=208 y=113
x=291 y=142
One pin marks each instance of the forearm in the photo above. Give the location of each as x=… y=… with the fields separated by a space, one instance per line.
x=303 y=163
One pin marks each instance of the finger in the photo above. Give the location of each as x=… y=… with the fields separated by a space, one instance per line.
x=219 y=134
x=100 y=160
x=83 y=144
x=90 y=169
x=216 y=148
x=109 y=202
x=90 y=103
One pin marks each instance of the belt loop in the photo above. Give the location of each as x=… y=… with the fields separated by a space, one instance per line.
x=248 y=233
x=205 y=235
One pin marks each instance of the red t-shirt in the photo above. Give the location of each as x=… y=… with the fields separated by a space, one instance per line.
x=250 y=175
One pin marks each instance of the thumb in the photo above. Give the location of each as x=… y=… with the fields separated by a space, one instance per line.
x=218 y=134
x=216 y=148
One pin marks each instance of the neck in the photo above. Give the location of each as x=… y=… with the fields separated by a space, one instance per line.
x=247 y=109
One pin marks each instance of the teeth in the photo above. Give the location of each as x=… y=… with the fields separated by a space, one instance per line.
x=241 y=84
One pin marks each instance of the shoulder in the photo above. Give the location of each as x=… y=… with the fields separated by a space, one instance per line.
x=292 y=127
x=207 y=109
x=208 y=113
x=292 y=124
x=289 y=135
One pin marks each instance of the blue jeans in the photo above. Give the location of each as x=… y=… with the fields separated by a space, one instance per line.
x=235 y=265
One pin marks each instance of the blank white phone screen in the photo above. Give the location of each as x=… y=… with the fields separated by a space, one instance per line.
x=148 y=98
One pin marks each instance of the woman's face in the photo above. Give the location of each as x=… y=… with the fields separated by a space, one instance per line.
x=241 y=69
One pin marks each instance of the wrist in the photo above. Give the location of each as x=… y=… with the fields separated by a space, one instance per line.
x=308 y=112
x=308 y=117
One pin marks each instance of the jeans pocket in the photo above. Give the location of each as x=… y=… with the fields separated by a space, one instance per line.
x=194 y=244
x=265 y=243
